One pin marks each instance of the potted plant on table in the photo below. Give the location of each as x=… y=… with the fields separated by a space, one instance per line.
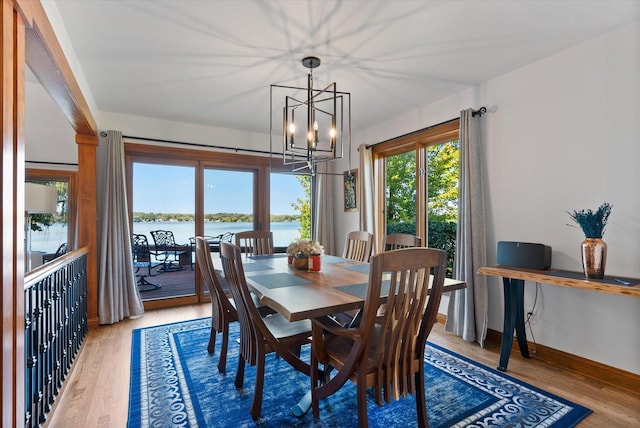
x=594 y=249
x=300 y=250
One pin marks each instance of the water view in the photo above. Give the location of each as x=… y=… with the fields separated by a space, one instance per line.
x=50 y=238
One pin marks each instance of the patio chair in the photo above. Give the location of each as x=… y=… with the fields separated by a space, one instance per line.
x=384 y=353
x=260 y=335
x=142 y=260
x=166 y=250
x=213 y=241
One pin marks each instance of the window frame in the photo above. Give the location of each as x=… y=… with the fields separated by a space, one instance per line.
x=419 y=141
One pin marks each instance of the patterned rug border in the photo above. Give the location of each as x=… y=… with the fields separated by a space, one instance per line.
x=473 y=417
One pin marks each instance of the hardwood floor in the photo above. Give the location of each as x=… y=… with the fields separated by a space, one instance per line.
x=96 y=392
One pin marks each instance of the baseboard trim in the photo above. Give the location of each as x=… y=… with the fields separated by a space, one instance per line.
x=588 y=368
x=597 y=371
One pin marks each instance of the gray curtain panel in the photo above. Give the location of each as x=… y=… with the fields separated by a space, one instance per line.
x=467 y=312
x=323 y=216
x=118 y=295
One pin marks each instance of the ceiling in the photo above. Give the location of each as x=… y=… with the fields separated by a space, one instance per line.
x=212 y=62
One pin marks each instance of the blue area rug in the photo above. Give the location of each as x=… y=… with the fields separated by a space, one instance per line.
x=175 y=383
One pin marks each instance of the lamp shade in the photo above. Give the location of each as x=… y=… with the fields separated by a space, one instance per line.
x=40 y=199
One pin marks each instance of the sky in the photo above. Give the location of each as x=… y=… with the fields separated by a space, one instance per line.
x=170 y=189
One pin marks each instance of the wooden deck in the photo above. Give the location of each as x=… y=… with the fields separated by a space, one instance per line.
x=172 y=284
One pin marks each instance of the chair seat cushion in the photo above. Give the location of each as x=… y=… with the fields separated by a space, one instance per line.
x=282 y=328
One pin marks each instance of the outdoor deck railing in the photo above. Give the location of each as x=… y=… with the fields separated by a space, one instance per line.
x=55 y=302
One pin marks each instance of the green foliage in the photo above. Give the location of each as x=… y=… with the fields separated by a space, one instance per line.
x=442 y=235
x=303 y=206
x=401 y=188
x=217 y=217
x=442 y=175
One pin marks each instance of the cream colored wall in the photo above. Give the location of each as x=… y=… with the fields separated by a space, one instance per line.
x=564 y=134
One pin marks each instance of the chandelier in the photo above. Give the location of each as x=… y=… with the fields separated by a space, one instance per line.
x=315 y=123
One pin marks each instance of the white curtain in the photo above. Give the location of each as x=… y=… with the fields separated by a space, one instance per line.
x=323 y=205
x=118 y=295
x=367 y=208
x=467 y=312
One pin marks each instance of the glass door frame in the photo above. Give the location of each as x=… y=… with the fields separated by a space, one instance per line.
x=201 y=160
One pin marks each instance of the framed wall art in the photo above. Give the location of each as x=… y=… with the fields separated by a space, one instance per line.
x=351 y=190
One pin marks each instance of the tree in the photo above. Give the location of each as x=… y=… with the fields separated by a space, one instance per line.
x=303 y=206
x=442 y=176
x=401 y=188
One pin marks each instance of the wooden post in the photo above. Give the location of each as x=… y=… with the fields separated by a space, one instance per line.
x=12 y=228
x=87 y=218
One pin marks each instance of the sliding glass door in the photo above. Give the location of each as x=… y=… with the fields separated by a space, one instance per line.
x=164 y=209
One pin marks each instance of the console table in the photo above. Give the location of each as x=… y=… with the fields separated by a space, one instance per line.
x=513 y=283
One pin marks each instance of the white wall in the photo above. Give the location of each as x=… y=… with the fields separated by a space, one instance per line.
x=563 y=134
x=48 y=134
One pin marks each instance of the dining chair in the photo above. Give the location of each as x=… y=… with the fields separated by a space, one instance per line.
x=358 y=246
x=223 y=309
x=260 y=335
x=255 y=242
x=384 y=352
x=395 y=241
x=166 y=250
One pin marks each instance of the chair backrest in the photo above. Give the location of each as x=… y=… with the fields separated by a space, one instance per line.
x=62 y=250
x=358 y=246
x=163 y=239
x=219 y=300
x=252 y=328
x=396 y=241
x=140 y=248
x=397 y=338
x=255 y=242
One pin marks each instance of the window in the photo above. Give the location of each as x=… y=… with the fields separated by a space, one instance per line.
x=48 y=233
x=417 y=186
x=290 y=208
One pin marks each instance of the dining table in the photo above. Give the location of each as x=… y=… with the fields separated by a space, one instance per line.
x=339 y=286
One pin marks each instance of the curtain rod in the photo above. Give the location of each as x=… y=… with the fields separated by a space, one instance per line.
x=237 y=149
x=183 y=143
x=479 y=112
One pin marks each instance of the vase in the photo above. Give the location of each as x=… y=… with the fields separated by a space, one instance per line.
x=594 y=257
x=315 y=263
x=301 y=263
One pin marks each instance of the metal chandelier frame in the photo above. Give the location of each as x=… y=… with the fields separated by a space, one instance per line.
x=328 y=122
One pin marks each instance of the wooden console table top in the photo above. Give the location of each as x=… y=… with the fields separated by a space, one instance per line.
x=607 y=285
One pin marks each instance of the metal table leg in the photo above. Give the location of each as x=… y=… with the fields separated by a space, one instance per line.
x=513 y=320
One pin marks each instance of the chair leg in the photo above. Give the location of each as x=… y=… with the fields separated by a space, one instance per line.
x=361 y=389
x=212 y=341
x=256 y=406
x=222 y=364
x=240 y=372
x=314 y=383
x=421 y=400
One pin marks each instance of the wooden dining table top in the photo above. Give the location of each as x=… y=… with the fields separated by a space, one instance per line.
x=339 y=286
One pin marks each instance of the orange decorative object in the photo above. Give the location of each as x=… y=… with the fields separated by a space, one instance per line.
x=594 y=257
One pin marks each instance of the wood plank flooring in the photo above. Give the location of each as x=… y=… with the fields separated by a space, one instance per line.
x=96 y=392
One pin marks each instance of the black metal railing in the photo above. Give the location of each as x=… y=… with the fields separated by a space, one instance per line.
x=55 y=303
